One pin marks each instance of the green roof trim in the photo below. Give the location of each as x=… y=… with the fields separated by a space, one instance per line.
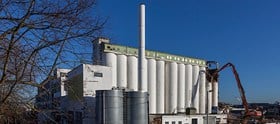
x=118 y=49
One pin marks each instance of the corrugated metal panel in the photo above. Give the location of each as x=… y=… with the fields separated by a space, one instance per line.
x=109 y=107
x=137 y=107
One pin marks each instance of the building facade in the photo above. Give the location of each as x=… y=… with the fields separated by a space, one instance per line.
x=173 y=83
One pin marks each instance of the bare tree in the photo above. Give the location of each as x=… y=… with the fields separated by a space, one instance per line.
x=35 y=37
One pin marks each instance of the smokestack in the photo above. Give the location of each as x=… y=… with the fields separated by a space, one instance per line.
x=141 y=50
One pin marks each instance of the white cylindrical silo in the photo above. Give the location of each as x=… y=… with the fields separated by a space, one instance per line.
x=132 y=73
x=160 y=74
x=189 y=86
x=111 y=61
x=202 y=90
x=152 y=85
x=166 y=86
x=181 y=88
x=172 y=84
x=121 y=71
x=209 y=91
x=195 y=89
x=215 y=94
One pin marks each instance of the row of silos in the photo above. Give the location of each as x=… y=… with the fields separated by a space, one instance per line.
x=119 y=107
x=172 y=86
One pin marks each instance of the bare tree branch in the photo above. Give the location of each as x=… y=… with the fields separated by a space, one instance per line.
x=35 y=38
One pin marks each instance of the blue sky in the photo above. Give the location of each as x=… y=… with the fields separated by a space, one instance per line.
x=244 y=32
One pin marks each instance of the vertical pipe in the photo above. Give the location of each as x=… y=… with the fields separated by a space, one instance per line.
x=195 y=89
x=122 y=71
x=145 y=76
x=160 y=87
x=142 y=70
x=188 y=86
x=209 y=90
x=215 y=94
x=202 y=90
x=172 y=84
x=132 y=81
x=152 y=85
x=111 y=61
x=181 y=88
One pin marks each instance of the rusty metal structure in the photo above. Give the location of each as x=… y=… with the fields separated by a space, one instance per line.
x=213 y=75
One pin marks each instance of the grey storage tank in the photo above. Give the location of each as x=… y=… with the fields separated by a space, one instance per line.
x=136 y=107
x=109 y=107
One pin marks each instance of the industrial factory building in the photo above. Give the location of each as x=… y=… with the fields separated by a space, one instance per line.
x=125 y=85
x=175 y=85
x=173 y=82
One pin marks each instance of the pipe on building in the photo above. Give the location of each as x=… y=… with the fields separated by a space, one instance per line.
x=141 y=64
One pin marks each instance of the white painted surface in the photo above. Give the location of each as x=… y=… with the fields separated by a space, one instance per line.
x=111 y=61
x=167 y=87
x=160 y=74
x=209 y=87
x=61 y=75
x=173 y=88
x=187 y=119
x=202 y=90
x=189 y=85
x=90 y=78
x=132 y=73
x=144 y=85
x=215 y=94
x=152 y=85
x=121 y=71
x=195 y=90
x=142 y=65
x=181 y=88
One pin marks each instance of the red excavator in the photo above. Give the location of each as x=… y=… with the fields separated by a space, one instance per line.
x=213 y=75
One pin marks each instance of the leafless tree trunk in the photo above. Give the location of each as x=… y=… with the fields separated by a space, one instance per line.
x=36 y=36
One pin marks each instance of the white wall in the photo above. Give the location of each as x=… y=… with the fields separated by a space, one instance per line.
x=178 y=89
x=201 y=119
x=94 y=77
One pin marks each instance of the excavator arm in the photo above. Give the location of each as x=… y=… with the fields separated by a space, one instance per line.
x=240 y=87
x=214 y=73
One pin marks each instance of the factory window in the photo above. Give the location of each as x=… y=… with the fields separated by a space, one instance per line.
x=180 y=122
x=173 y=122
x=98 y=74
x=194 y=121
x=166 y=122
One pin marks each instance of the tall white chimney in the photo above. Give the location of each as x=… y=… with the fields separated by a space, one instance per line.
x=141 y=50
